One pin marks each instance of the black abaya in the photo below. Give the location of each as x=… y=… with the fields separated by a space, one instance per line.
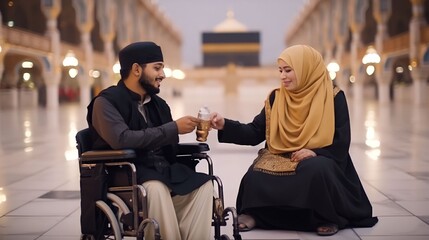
x=324 y=189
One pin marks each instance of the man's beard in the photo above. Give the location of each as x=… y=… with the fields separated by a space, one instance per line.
x=145 y=84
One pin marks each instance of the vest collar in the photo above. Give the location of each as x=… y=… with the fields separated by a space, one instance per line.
x=134 y=96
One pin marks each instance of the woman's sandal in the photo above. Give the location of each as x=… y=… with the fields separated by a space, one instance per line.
x=328 y=229
x=245 y=223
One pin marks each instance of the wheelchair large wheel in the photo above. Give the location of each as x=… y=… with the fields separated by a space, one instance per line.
x=111 y=228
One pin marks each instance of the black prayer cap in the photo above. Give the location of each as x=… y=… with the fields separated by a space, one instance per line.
x=141 y=53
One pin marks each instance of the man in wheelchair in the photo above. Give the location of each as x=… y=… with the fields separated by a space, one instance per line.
x=131 y=115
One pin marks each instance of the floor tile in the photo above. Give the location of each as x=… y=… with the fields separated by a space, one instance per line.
x=418 y=208
x=24 y=225
x=389 y=208
x=19 y=237
x=396 y=226
x=424 y=219
x=43 y=207
x=68 y=227
x=13 y=199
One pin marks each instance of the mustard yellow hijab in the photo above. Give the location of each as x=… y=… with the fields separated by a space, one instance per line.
x=304 y=117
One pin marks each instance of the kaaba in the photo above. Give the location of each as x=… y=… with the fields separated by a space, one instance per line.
x=230 y=43
x=223 y=48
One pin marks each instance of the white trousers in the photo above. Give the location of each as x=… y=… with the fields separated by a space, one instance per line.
x=186 y=217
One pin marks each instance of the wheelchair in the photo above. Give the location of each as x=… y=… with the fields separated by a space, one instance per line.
x=114 y=205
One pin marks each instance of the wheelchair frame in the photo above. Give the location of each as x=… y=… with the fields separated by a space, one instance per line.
x=129 y=220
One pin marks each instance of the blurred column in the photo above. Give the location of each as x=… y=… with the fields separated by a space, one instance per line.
x=149 y=28
x=123 y=23
x=9 y=92
x=135 y=9
x=311 y=28
x=2 y=50
x=9 y=96
x=52 y=68
x=357 y=10
x=328 y=29
x=318 y=17
x=382 y=10
x=341 y=33
x=84 y=21
x=419 y=73
x=106 y=15
x=306 y=33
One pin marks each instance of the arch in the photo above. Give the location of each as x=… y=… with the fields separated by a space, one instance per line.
x=12 y=61
x=28 y=82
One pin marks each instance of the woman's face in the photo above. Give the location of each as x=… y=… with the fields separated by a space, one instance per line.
x=287 y=76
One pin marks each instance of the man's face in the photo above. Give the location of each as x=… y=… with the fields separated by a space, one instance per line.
x=151 y=78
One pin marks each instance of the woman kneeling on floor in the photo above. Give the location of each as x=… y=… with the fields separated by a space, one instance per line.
x=304 y=178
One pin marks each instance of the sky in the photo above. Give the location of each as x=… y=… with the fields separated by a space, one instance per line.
x=271 y=18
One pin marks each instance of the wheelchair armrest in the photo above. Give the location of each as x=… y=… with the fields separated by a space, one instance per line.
x=100 y=156
x=190 y=148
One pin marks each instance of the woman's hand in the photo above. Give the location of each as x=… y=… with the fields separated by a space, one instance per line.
x=217 y=121
x=302 y=154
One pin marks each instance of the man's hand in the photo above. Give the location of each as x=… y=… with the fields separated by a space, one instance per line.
x=187 y=124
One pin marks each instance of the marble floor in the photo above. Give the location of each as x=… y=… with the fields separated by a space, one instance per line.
x=39 y=179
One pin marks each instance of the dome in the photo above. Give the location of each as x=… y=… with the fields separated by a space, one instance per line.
x=230 y=24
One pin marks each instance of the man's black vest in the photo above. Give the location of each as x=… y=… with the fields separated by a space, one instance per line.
x=126 y=102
